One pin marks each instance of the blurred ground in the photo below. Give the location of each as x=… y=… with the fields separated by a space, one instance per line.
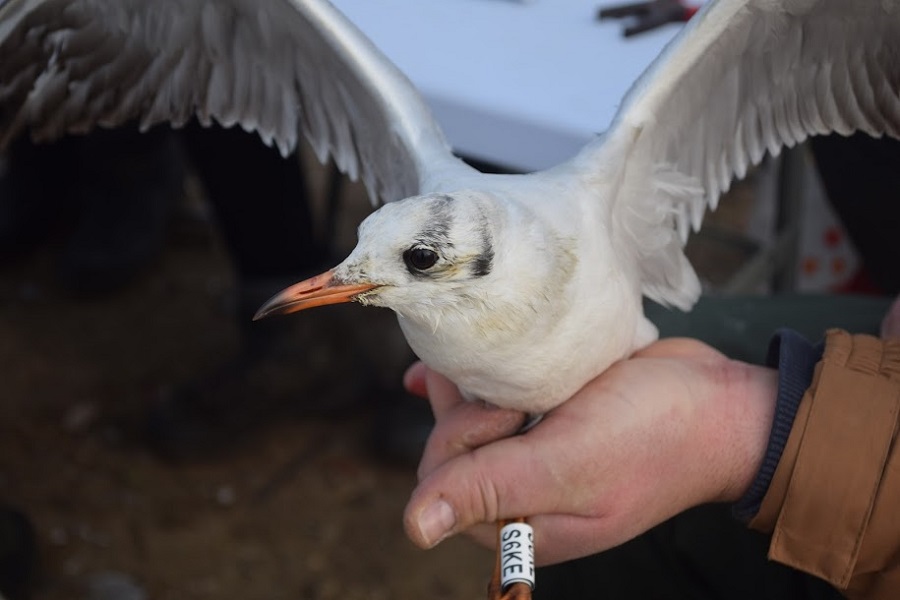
x=302 y=511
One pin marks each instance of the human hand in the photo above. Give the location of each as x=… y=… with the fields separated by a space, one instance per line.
x=674 y=426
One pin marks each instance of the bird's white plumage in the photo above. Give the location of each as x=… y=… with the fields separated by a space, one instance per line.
x=540 y=276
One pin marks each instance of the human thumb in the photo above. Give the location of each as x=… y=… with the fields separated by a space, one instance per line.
x=498 y=481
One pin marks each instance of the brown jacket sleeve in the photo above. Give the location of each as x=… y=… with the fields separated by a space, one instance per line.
x=833 y=506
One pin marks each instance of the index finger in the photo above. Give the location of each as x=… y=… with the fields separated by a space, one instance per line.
x=465 y=427
x=442 y=394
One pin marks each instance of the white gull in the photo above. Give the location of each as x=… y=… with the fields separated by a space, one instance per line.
x=520 y=288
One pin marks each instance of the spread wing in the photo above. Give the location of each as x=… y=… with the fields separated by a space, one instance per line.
x=744 y=77
x=274 y=66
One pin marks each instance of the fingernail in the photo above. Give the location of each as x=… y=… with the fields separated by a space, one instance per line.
x=436 y=521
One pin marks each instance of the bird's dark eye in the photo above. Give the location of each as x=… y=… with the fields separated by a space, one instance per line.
x=420 y=259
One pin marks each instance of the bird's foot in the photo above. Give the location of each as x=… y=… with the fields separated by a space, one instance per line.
x=517 y=591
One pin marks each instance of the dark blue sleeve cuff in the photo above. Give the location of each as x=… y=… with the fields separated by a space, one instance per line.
x=795 y=358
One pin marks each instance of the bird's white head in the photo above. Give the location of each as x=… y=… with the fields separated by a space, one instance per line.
x=463 y=259
x=425 y=254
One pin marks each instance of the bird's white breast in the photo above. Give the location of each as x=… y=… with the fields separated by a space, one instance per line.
x=551 y=322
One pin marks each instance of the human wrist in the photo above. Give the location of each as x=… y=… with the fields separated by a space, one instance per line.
x=746 y=396
x=795 y=358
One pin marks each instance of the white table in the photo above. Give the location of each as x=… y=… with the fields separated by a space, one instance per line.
x=519 y=84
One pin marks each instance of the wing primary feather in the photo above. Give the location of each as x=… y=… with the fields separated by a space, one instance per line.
x=268 y=66
x=803 y=67
x=870 y=120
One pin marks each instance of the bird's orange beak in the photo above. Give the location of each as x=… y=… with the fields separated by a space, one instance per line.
x=315 y=291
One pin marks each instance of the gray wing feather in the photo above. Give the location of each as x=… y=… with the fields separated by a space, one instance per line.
x=278 y=67
x=744 y=78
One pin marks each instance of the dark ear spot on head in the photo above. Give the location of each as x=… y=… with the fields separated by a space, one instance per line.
x=484 y=262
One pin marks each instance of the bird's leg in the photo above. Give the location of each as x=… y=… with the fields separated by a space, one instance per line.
x=516 y=553
x=518 y=590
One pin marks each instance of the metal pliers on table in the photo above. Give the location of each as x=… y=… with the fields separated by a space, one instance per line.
x=648 y=15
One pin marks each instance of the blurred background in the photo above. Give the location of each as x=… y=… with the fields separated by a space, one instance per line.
x=290 y=481
x=156 y=443
x=136 y=486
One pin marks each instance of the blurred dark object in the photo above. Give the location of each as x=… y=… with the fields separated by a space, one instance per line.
x=18 y=554
x=110 y=193
x=644 y=16
x=701 y=554
x=861 y=181
x=402 y=425
x=33 y=201
x=128 y=186
x=107 y=198
x=260 y=202
x=283 y=369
